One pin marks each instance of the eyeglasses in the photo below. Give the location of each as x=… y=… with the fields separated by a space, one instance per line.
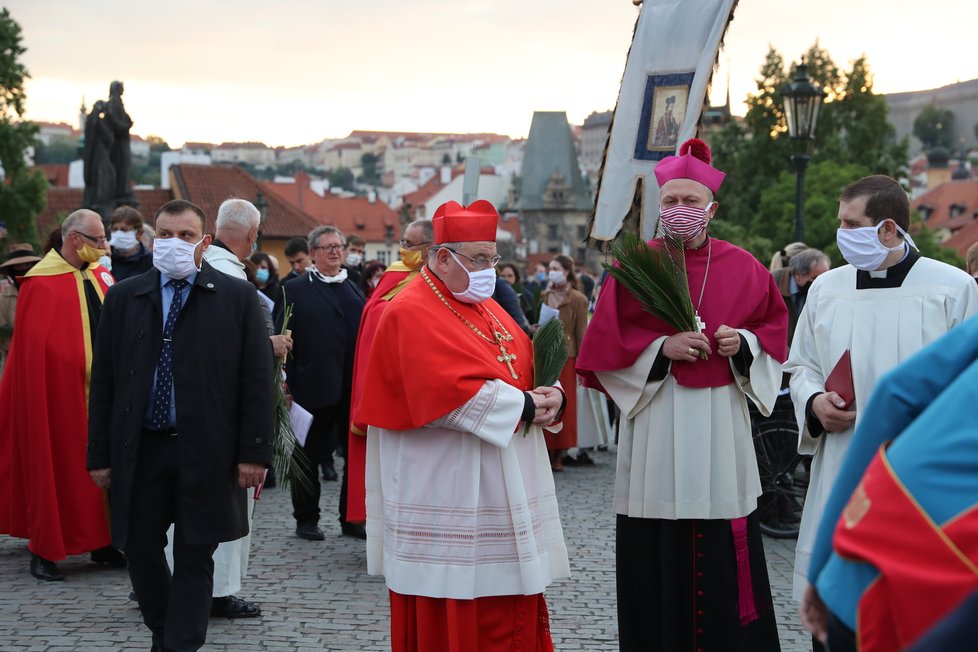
x=407 y=244
x=99 y=240
x=481 y=262
x=328 y=248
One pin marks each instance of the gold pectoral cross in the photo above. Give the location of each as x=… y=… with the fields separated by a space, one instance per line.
x=506 y=358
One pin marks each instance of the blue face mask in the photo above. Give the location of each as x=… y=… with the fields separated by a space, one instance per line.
x=262 y=275
x=541 y=277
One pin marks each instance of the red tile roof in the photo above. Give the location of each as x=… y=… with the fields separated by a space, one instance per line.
x=209 y=185
x=351 y=215
x=959 y=197
x=55 y=173
x=430 y=189
x=61 y=201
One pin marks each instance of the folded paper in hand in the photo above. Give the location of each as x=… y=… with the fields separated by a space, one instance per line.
x=301 y=422
x=547 y=313
x=840 y=380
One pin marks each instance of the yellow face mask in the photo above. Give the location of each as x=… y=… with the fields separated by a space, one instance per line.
x=412 y=259
x=90 y=254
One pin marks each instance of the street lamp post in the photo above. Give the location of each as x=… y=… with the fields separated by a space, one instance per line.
x=802 y=101
x=262 y=205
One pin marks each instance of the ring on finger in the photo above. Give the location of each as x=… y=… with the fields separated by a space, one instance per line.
x=691 y=351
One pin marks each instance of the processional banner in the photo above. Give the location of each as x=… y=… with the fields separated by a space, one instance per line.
x=663 y=91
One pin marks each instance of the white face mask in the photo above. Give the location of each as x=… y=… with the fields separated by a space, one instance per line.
x=557 y=278
x=174 y=257
x=481 y=283
x=862 y=247
x=123 y=240
x=353 y=259
x=106 y=262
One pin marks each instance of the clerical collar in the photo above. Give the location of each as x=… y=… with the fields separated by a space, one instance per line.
x=891 y=277
x=315 y=274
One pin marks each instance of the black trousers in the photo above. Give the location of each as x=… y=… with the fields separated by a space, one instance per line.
x=175 y=608
x=328 y=425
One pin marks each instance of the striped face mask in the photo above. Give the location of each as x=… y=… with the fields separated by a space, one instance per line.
x=685 y=222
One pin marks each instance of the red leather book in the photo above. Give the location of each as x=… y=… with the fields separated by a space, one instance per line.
x=840 y=380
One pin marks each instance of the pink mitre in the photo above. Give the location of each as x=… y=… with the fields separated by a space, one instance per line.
x=692 y=163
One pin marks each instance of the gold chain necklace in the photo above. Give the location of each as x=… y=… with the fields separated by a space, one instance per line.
x=498 y=338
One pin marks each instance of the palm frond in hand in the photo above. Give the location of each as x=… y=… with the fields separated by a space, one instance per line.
x=289 y=459
x=549 y=353
x=656 y=277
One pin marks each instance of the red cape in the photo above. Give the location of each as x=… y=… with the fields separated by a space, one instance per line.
x=46 y=494
x=391 y=283
x=425 y=361
x=739 y=292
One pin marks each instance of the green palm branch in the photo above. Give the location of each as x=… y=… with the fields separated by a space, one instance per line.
x=289 y=459
x=549 y=353
x=656 y=277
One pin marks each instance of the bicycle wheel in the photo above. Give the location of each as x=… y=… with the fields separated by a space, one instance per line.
x=783 y=472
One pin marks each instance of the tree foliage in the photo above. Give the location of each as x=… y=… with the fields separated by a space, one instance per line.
x=23 y=193
x=853 y=138
x=933 y=126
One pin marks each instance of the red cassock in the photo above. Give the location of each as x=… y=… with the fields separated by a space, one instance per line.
x=46 y=494
x=394 y=279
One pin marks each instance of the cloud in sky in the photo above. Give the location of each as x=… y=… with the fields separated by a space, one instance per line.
x=294 y=72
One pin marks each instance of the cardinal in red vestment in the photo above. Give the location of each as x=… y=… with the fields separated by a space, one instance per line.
x=418 y=238
x=462 y=516
x=46 y=494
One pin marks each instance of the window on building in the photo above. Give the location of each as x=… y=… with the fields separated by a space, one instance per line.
x=553 y=231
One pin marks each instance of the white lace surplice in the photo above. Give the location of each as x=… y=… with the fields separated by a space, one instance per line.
x=464 y=507
x=688 y=452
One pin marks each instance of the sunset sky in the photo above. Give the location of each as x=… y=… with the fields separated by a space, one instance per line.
x=294 y=71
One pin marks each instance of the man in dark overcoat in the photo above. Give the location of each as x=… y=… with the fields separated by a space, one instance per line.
x=180 y=421
x=326 y=310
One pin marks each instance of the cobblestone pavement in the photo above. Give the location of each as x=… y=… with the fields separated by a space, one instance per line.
x=317 y=595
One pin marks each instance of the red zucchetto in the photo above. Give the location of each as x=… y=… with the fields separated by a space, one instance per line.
x=473 y=223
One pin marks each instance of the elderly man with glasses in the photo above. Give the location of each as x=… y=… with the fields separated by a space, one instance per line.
x=462 y=514
x=326 y=309
x=48 y=497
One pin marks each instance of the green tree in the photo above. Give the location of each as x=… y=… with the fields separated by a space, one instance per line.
x=23 y=193
x=371 y=173
x=341 y=178
x=59 y=151
x=932 y=126
x=853 y=138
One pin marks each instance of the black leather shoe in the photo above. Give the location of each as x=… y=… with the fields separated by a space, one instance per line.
x=234 y=607
x=44 y=570
x=109 y=556
x=355 y=530
x=329 y=474
x=309 y=531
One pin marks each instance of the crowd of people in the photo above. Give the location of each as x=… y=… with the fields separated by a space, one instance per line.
x=138 y=400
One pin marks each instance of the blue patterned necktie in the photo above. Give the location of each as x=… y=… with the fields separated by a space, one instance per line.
x=164 y=368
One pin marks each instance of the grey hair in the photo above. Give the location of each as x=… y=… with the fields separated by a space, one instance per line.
x=320 y=231
x=427 y=230
x=73 y=221
x=433 y=252
x=237 y=215
x=803 y=261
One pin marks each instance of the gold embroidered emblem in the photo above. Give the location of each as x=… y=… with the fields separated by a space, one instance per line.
x=857 y=507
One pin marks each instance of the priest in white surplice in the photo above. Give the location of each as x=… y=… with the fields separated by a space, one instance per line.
x=884 y=306
x=690 y=563
x=461 y=509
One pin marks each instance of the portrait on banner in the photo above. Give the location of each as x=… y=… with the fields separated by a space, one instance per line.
x=663 y=111
x=669 y=107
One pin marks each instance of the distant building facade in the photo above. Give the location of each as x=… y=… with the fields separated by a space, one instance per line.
x=961 y=99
